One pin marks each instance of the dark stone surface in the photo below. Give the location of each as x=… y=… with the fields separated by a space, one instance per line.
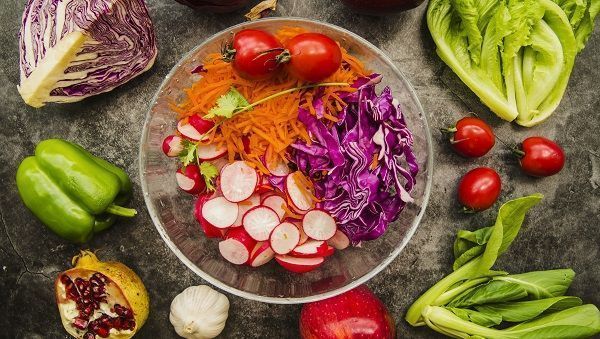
x=561 y=232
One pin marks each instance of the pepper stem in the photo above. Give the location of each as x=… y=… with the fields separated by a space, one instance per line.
x=121 y=211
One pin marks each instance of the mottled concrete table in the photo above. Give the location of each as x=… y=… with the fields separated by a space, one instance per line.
x=563 y=232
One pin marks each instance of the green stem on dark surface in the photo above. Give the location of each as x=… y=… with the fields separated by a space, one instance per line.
x=121 y=211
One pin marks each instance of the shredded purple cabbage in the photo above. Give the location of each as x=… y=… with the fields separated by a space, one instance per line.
x=362 y=197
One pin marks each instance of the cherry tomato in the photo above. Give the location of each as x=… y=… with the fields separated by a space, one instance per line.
x=479 y=189
x=541 y=157
x=253 y=54
x=472 y=137
x=313 y=56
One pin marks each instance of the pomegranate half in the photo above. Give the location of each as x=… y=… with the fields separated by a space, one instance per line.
x=101 y=299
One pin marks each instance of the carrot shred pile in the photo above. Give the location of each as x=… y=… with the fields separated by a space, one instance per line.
x=272 y=126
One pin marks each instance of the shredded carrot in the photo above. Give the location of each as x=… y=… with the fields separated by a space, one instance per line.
x=273 y=123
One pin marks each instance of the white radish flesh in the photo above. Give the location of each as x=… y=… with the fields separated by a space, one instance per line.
x=245 y=206
x=339 y=240
x=210 y=151
x=297 y=193
x=276 y=203
x=312 y=248
x=237 y=246
x=259 y=222
x=319 y=225
x=284 y=238
x=188 y=131
x=172 y=146
x=299 y=265
x=220 y=212
x=190 y=179
x=238 y=181
x=261 y=254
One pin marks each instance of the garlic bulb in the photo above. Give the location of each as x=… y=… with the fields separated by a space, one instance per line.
x=199 y=312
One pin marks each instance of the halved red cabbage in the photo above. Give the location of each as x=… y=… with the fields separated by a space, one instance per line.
x=73 y=49
x=363 y=166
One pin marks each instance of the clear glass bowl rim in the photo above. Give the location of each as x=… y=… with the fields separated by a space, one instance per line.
x=276 y=300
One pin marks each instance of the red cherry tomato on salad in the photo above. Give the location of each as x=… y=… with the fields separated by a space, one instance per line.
x=479 y=189
x=472 y=137
x=541 y=157
x=313 y=56
x=253 y=54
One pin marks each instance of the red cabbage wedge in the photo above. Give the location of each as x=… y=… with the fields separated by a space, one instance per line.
x=73 y=49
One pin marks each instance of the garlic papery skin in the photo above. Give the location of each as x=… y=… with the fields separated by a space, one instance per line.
x=199 y=312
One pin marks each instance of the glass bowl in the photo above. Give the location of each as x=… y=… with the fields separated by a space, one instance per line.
x=172 y=209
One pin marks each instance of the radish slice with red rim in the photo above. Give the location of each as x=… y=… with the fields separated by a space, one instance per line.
x=261 y=254
x=339 y=240
x=299 y=199
x=188 y=131
x=284 y=238
x=220 y=212
x=299 y=265
x=237 y=246
x=210 y=151
x=209 y=230
x=238 y=181
x=276 y=203
x=312 y=249
x=245 y=206
x=259 y=222
x=319 y=225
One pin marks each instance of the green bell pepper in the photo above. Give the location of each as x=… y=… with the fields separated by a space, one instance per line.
x=71 y=191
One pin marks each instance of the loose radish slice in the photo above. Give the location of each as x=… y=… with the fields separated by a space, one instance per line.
x=312 y=249
x=188 y=131
x=303 y=237
x=172 y=146
x=259 y=222
x=220 y=212
x=190 y=179
x=275 y=202
x=210 y=151
x=209 y=230
x=284 y=238
x=319 y=225
x=297 y=193
x=201 y=125
x=299 y=265
x=237 y=246
x=220 y=163
x=261 y=254
x=245 y=206
x=238 y=181
x=339 y=240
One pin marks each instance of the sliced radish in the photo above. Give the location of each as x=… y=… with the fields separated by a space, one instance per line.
x=210 y=151
x=297 y=193
x=299 y=265
x=209 y=230
x=201 y=125
x=190 y=180
x=237 y=246
x=284 y=238
x=278 y=167
x=312 y=249
x=220 y=212
x=259 y=222
x=172 y=145
x=319 y=225
x=276 y=203
x=220 y=163
x=303 y=237
x=238 y=181
x=188 y=131
x=339 y=240
x=261 y=254
x=245 y=206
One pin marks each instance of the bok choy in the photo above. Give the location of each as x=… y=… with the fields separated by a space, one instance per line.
x=474 y=299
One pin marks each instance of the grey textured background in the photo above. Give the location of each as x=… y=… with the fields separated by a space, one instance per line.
x=561 y=232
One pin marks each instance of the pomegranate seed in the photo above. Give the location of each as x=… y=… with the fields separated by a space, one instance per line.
x=129 y=324
x=65 y=279
x=80 y=323
x=89 y=335
x=118 y=323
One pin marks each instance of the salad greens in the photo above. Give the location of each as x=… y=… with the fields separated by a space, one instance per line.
x=472 y=300
x=515 y=55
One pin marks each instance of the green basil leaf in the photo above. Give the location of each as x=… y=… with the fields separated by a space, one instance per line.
x=487 y=319
x=494 y=291
x=542 y=284
x=519 y=311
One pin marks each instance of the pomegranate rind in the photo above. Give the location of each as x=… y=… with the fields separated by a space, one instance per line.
x=129 y=283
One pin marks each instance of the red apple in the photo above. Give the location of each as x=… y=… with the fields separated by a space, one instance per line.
x=357 y=313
